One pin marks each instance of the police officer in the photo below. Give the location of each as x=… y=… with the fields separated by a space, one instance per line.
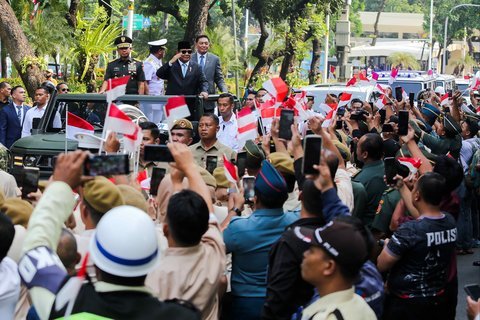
x=124 y=66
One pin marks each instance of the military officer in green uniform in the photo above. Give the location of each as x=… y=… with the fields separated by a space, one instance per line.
x=124 y=66
x=385 y=209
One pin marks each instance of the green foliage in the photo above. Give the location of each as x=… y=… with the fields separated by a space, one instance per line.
x=33 y=61
x=94 y=40
x=405 y=6
x=357 y=6
x=406 y=60
x=222 y=45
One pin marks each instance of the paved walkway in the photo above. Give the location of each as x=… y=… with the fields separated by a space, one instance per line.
x=467 y=274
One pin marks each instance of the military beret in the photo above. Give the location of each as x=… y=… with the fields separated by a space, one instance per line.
x=282 y=162
x=102 y=195
x=343 y=149
x=182 y=124
x=133 y=197
x=123 y=42
x=253 y=150
x=431 y=113
x=269 y=181
x=207 y=177
x=219 y=174
x=18 y=210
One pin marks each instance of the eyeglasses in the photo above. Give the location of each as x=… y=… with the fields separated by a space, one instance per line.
x=186 y=51
x=65 y=90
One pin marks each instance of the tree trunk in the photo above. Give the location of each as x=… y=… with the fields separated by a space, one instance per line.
x=3 y=62
x=375 y=26
x=71 y=16
x=470 y=46
x=19 y=48
x=315 y=65
x=197 y=19
x=289 y=50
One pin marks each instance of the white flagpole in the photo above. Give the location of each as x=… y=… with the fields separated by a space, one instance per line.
x=66 y=128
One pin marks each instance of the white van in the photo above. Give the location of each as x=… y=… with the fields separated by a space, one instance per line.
x=320 y=91
x=410 y=81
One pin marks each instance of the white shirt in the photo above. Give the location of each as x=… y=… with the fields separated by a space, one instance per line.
x=466 y=152
x=9 y=288
x=227 y=135
x=155 y=84
x=344 y=187
x=37 y=113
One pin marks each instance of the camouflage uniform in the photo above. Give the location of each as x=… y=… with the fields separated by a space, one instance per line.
x=4 y=158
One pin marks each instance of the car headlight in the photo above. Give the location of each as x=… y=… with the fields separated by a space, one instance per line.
x=29 y=161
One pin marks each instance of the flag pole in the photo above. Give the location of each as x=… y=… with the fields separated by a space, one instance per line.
x=104 y=133
x=66 y=128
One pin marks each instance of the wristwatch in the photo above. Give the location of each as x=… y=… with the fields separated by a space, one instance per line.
x=237 y=211
x=231 y=190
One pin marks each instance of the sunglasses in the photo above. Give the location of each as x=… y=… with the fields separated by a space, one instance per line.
x=65 y=90
x=186 y=51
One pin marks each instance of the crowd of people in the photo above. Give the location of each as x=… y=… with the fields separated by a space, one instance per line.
x=373 y=233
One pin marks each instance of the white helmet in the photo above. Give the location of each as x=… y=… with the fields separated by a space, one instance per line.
x=125 y=243
x=440 y=90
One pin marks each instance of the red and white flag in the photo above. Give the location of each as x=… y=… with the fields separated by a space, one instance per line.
x=444 y=100
x=352 y=82
x=345 y=99
x=475 y=84
x=404 y=95
x=364 y=81
x=230 y=170
x=116 y=87
x=267 y=104
x=374 y=78
x=329 y=118
x=277 y=88
x=247 y=125
x=413 y=164
x=430 y=73
x=268 y=115
x=131 y=142
x=144 y=180
x=324 y=108
x=381 y=101
x=75 y=125
x=379 y=88
x=176 y=108
x=117 y=121
x=393 y=75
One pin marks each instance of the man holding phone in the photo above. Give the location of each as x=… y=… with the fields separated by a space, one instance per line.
x=228 y=122
x=208 y=127
x=151 y=135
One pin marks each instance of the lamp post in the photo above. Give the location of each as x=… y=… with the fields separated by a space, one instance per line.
x=444 y=60
x=431 y=37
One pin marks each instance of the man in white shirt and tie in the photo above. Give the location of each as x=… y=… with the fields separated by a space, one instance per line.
x=41 y=99
x=228 y=132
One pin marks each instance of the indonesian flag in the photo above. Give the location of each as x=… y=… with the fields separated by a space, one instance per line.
x=444 y=100
x=176 y=108
x=117 y=121
x=345 y=99
x=413 y=164
x=230 y=170
x=379 y=88
x=374 y=78
x=381 y=102
x=131 y=142
x=277 y=88
x=329 y=118
x=351 y=82
x=301 y=108
x=364 y=81
x=144 y=180
x=331 y=72
x=267 y=104
x=247 y=125
x=116 y=87
x=393 y=75
x=475 y=85
x=69 y=292
x=430 y=72
x=324 y=108
x=75 y=125
x=268 y=115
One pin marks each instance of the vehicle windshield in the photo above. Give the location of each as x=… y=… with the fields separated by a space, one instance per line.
x=463 y=88
x=92 y=111
x=321 y=95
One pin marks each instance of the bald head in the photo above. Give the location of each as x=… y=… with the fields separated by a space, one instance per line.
x=67 y=251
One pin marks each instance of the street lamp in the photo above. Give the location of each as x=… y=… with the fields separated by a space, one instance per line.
x=431 y=36
x=444 y=60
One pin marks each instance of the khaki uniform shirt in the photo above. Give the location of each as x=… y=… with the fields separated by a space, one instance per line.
x=200 y=153
x=192 y=273
x=350 y=305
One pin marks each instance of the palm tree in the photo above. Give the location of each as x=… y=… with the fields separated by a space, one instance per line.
x=404 y=60
x=94 y=41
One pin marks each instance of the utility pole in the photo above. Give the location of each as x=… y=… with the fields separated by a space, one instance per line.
x=342 y=41
x=326 y=46
x=130 y=19
x=235 y=46
x=431 y=37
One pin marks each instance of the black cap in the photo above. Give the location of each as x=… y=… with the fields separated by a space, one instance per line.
x=123 y=42
x=184 y=45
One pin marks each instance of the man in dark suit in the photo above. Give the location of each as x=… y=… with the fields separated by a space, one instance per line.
x=12 y=116
x=184 y=76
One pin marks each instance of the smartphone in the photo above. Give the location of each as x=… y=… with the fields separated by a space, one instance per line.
x=387 y=127
x=312 y=145
x=390 y=169
x=398 y=93
x=260 y=127
x=383 y=115
x=211 y=163
x=249 y=188
x=30 y=181
x=157 y=176
x=411 y=99
x=339 y=125
x=449 y=93
x=473 y=290
x=402 y=122
x=341 y=112
x=158 y=153
x=241 y=163
x=286 y=121
x=106 y=165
